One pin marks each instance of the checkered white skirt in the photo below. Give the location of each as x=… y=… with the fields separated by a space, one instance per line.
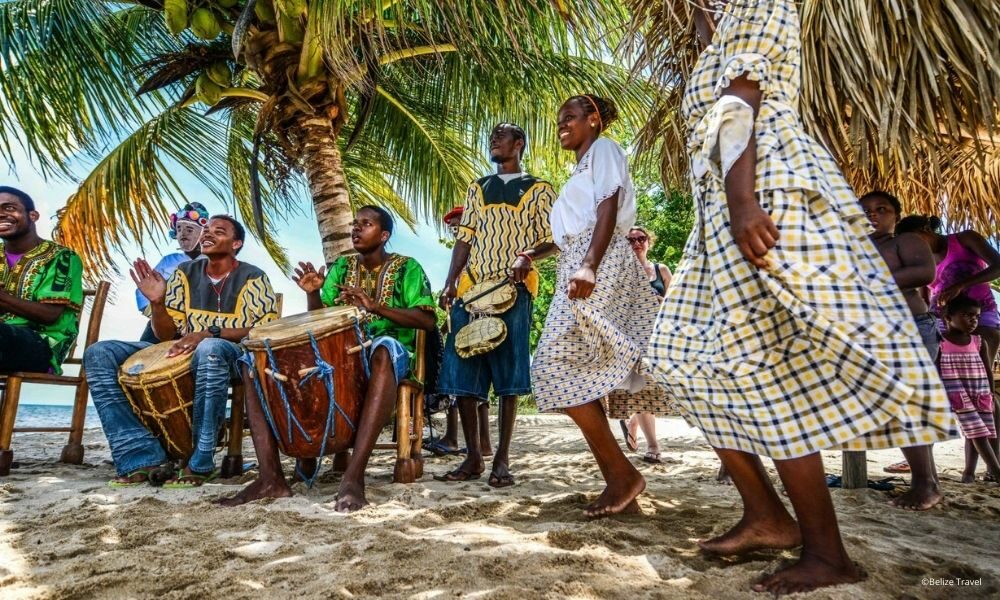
x=816 y=351
x=591 y=347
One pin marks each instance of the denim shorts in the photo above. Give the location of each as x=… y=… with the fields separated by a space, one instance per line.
x=929 y=334
x=507 y=368
x=398 y=353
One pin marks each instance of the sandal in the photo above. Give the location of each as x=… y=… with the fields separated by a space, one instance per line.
x=458 y=475
x=652 y=458
x=500 y=481
x=438 y=448
x=196 y=480
x=630 y=442
x=900 y=467
x=114 y=483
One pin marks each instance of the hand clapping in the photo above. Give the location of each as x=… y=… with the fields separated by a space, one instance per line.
x=151 y=284
x=308 y=278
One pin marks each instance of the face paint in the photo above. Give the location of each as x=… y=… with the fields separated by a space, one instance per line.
x=188 y=235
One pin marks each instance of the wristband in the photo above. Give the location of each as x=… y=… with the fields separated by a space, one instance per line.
x=525 y=255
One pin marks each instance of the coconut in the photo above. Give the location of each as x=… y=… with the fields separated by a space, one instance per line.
x=219 y=73
x=204 y=24
x=208 y=91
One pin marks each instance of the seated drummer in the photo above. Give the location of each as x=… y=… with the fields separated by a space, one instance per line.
x=391 y=316
x=208 y=307
x=41 y=291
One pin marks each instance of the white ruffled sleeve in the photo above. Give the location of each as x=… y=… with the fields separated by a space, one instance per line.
x=728 y=127
x=609 y=168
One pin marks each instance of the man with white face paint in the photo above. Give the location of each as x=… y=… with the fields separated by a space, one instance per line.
x=186 y=226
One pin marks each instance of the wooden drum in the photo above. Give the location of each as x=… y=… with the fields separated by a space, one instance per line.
x=161 y=391
x=295 y=360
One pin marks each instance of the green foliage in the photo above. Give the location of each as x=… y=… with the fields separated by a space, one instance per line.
x=669 y=215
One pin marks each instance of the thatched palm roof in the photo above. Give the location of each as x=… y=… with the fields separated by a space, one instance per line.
x=903 y=92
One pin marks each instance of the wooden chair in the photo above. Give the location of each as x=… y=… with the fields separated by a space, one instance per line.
x=10 y=392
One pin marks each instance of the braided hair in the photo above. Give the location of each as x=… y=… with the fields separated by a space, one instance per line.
x=607 y=112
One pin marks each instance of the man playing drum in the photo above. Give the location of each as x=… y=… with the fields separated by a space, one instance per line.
x=504 y=228
x=395 y=297
x=207 y=306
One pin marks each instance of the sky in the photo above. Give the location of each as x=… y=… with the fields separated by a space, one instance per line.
x=299 y=235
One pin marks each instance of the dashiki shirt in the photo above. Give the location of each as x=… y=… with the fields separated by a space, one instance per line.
x=818 y=350
x=591 y=347
x=49 y=274
x=243 y=299
x=501 y=219
x=399 y=283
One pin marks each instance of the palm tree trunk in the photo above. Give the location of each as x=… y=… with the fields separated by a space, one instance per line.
x=328 y=185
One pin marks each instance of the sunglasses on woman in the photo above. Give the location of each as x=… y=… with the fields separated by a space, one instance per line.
x=639 y=239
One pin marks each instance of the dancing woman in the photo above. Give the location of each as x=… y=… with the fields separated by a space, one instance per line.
x=603 y=309
x=783 y=332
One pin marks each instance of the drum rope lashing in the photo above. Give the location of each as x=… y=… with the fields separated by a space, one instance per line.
x=364 y=355
x=284 y=399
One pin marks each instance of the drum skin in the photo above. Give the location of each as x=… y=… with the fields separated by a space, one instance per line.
x=161 y=391
x=333 y=330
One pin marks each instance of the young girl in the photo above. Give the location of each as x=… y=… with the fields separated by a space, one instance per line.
x=603 y=309
x=965 y=370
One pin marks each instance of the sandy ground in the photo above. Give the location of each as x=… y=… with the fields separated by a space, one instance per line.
x=64 y=534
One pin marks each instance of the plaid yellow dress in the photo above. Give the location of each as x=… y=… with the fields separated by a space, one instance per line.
x=818 y=350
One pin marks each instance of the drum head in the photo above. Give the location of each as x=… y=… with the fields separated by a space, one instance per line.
x=318 y=322
x=152 y=363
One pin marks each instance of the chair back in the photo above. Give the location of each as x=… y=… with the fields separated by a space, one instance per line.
x=279 y=303
x=420 y=356
x=99 y=300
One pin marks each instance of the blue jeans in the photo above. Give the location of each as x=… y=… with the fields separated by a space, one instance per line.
x=507 y=367
x=398 y=354
x=133 y=447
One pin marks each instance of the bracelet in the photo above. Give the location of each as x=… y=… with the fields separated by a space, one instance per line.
x=525 y=255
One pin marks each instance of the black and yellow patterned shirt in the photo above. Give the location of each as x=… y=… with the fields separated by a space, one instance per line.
x=500 y=220
x=244 y=299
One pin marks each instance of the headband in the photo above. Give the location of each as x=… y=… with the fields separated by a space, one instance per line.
x=597 y=111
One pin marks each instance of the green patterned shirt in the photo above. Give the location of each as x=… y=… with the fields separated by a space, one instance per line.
x=49 y=274
x=400 y=283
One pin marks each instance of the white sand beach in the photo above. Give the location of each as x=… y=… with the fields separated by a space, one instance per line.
x=64 y=534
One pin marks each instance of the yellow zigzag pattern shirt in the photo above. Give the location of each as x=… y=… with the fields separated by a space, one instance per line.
x=244 y=299
x=500 y=220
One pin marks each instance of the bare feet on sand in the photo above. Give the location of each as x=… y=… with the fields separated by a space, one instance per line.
x=350 y=497
x=724 y=477
x=750 y=535
x=968 y=477
x=257 y=490
x=617 y=498
x=920 y=497
x=808 y=574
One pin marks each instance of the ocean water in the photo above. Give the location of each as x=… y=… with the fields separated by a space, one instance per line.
x=46 y=415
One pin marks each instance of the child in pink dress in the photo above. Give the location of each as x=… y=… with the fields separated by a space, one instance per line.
x=965 y=370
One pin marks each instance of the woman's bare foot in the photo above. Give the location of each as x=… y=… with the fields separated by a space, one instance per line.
x=258 y=490
x=751 y=534
x=723 y=477
x=922 y=496
x=618 y=497
x=968 y=477
x=808 y=574
x=350 y=496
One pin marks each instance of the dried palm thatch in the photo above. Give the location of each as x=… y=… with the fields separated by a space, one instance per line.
x=903 y=92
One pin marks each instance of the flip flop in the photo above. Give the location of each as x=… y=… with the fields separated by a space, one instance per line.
x=123 y=484
x=900 y=467
x=630 y=442
x=652 y=458
x=438 y=448
x=500 y=481
x=458 y=475
x=199 y=480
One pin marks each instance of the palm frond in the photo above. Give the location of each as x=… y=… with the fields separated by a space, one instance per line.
x=129 y=192
x=901 y=92
x=65 y=76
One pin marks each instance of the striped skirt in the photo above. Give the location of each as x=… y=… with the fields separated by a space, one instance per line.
x=594 y=346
